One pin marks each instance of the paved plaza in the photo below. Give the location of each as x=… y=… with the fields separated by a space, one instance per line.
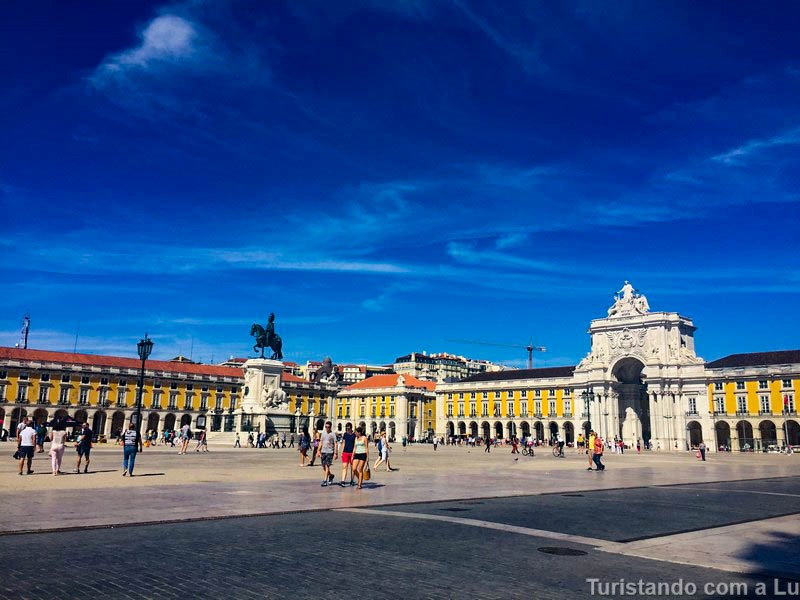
x=452 y=523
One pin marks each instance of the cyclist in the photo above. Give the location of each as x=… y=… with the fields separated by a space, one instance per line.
x=560 y=442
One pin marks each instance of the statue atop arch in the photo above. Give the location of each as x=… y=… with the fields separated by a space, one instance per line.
x=627 y=302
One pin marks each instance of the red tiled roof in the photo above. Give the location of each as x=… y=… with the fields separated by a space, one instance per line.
x=97 y=360
x=385 y=381
x=286 y=376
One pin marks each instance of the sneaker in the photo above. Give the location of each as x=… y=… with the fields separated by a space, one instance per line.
x=589 y=468
x=352 y=482
x=30 y=471
x=86 y=470
x=124 y=473
x=325 y=483
x=330 y=478
x=342 y=484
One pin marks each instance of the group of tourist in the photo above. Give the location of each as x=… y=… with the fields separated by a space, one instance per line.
x=29 y=438
x=262 y=440
x=354 y=450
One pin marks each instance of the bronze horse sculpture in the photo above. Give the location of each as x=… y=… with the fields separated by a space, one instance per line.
x=267 y=338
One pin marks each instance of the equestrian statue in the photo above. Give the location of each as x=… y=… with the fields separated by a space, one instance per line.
x=267 y=338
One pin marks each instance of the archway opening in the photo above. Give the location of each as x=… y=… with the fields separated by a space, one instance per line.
x=40 y=416
x=498 y=430
x=553 y=427
x=695 y=434
x=792 y=433
x=152 y=422
x=169 y=422
x=117 y=423
x=723 y=435
x=538 y=428
x=569 y=433
x=633 y=407
x=526 y=429
x=769 y=434
x=744 y=431
x=473 y=429
x=99 y=422
x=486 y=430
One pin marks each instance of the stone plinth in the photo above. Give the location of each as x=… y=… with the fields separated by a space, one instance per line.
x=265 y=406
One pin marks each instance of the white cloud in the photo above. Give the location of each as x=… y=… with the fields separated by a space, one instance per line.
x=738 y=156
x=168 y=40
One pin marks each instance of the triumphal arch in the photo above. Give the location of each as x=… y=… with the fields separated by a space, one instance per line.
x=642 y=372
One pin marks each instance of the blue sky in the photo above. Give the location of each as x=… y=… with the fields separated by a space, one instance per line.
x=386 y=177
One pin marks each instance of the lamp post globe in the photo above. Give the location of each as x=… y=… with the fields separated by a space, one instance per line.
x=144 y=348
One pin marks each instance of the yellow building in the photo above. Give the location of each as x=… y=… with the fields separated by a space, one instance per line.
x=401 y=404
x=505 y=404
x=102 y=390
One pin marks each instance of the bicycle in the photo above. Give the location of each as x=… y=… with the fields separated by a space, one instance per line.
x=527 y=451
x=558 y=452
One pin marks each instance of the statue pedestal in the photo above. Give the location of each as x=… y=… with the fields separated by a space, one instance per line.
x=265 y=406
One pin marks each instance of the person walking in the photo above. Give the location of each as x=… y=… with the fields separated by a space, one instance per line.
x=131 y=445
x=328 y=452
x=302 y=445
x=598 y=453
x=590 y=448
x=84 y=447
x=488 y=441
x=360 y=456
x=291 y=440
x=202 y=444
x=383 y=448
x=26 y=444
x=435 y=443
x=57 y=438
x=314 y=447
x=347 y=444
x=41 y=435
x=702 y=449
x=238 y=443
x=186 y=434
x=283 y=439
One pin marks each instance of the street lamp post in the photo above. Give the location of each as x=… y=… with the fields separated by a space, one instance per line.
x=588 y=398
x=144 y=347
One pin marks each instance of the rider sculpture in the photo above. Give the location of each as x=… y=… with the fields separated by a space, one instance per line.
x=267 y=338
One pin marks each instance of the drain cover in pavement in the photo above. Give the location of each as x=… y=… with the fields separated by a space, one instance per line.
x=454 y=509
x=560 y=551
x=572 y=495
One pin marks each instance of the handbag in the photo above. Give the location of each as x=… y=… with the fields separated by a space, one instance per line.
x=367 y=473
x=16 y=455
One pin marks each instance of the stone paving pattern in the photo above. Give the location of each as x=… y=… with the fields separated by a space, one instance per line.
x=300 y=548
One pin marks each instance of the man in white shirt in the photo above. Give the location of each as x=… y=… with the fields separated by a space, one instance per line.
x=26 y=444
x=327 y=451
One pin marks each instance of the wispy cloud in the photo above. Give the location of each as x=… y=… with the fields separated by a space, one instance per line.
x=740 y=155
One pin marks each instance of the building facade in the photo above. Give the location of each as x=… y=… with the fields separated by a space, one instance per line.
x=441 y=367
x=642 y=381
x=400 y=404
x=102 y=390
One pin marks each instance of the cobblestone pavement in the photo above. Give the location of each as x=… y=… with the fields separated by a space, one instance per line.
x=454 y=523
x=326 y=554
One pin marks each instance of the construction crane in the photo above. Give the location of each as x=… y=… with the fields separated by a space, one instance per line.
x=529 y=347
